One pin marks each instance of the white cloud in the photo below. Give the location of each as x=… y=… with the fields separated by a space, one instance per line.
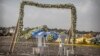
x=87 y=14
x=86 y=7
x=52 y=17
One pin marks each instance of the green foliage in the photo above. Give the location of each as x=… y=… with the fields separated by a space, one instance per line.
x=50 y=38
x=26 y=31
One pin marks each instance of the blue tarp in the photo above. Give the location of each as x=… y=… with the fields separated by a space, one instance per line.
x=40 y=32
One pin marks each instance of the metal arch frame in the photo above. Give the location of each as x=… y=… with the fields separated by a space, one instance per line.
x=19 y=26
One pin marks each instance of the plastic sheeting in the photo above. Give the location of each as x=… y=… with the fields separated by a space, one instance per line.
x=40 y=32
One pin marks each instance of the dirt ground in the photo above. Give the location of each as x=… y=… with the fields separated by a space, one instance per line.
x=26 y=48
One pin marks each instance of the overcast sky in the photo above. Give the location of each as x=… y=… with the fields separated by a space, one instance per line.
x=88 y=14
